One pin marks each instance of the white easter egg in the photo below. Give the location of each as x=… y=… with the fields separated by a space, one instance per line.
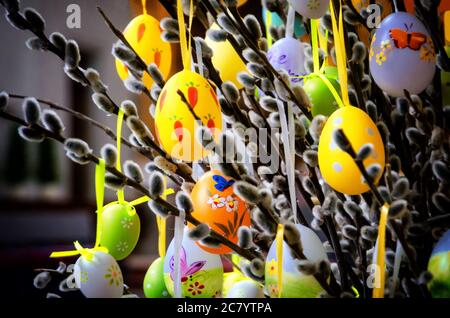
x=246 y=289
x=295 y=284
x=313 y=9
x=99 y=277
x=201 y=272
x=288 y=54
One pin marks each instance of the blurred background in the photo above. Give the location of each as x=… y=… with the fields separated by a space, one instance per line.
x=46 y=201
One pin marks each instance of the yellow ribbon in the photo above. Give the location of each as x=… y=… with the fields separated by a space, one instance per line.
x=99 y=193
x=315 y=44
x=268 y=25
x=144 y=7
x=120 y=193
x=378 y=292
x=341 y=59
x=184 y=43
x=279 y=246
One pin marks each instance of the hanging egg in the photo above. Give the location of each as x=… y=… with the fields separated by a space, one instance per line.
x=241 y=2
x=312 y=9
x=216 y=204
x=276 y=22
x=402 y=55
x=144 y=35
x=201 y=272
x=154 y=285
x=439 y=266
x=175 y=125
x=226 y=60
x=295 y=284
x=288 y=54
x=322 y=100
x=230 y=279
x=120 y=229
x=246 y=289
x=336 y=166
x=99 y=277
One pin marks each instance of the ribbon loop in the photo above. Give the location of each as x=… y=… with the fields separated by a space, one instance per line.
x=120 y=115
x=184 y=43
x=378 y=292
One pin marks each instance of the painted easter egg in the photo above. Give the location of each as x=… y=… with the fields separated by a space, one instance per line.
x=246 y=289
x=322 y=100
x=295 y=284
x=402 y=55
x=313 y=9
x=439 y=266
x=144 y=35
x=216 y=204
x=201 y=272
x=120 y=229
x=175 y=125
x=241 y=2
x=288 y=54
x=154 y=285
x=226 y=60
x=276 y=21
x=230 y=279
x=336 y=166
x=99 y=277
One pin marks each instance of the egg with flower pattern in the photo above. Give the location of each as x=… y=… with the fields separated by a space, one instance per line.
x=216 y=204
x=402 y=55
x=294 y=284
x=99 y=277
x=120 y=229
x=175 y=125
x=336 y=166
x=144 y=35
x=312 y=9
x=201 y=273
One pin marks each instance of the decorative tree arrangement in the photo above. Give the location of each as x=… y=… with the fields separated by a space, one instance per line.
x=361 y=135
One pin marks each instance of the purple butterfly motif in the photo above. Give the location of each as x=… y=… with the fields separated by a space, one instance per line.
x=186 y=271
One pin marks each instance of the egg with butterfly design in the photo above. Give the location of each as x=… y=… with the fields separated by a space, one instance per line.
x=201 y=272
x=216 y=204
x=175 y=124
x=144 y=35
x=402 y=55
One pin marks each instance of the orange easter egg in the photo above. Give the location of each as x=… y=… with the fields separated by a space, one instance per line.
x=216 y=204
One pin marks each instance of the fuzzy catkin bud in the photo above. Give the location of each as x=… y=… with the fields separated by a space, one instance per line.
x=31 y=110
x=35 y=19
x=156 y=184
x=4 y=100
x=133 y=171
x=184 y=202
x=398 y=208
x=77 y=146
x=441 y=202
x=244 y=237
x=52 y=121
x=42 y=280
x=113 y=182
x=72 y=57
x=199 y=232
x=158 y=209
x=246 y=191
x=227 y=24
x=58 y=40
x=122 y=52
x=30 y=135
x=257 y=267
x=109 y=154
x=36 y=44
x=103 y=102
x=134 y=85
x=306 y=267
x=253 y=26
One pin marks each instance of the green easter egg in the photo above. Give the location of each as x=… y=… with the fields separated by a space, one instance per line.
x=120 y=229
x=322 y=100
x=154 y=285
x=439 y=266
x=331 y=71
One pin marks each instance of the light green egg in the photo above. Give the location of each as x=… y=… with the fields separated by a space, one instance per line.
x=322 y=100
x=120 y=229
x=154 y=285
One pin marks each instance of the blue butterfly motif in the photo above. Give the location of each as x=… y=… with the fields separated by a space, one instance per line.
x=221 y=183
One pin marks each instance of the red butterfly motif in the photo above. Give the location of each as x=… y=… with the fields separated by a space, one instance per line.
x=403 y=39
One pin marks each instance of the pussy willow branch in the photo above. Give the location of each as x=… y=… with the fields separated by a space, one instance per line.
x=133 y=184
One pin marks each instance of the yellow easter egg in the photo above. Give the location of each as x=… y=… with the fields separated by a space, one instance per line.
x=226 y=60
x=337 y=167
x=175 y=125
x=144 y=35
